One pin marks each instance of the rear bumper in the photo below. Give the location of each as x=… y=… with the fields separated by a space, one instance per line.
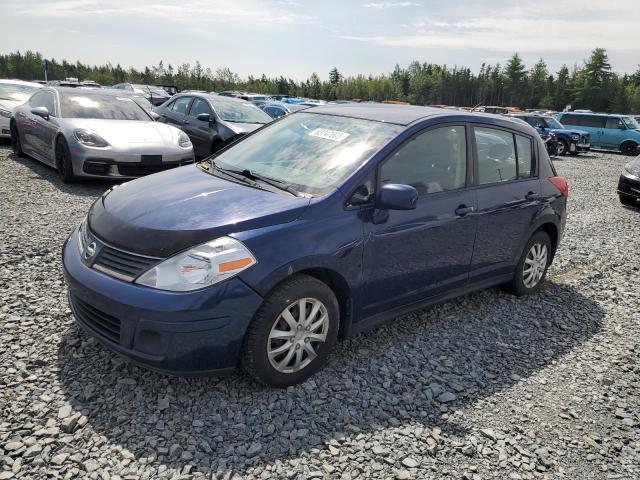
x=629 y=185
x=184 y=333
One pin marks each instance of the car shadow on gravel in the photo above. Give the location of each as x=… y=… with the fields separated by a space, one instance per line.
x=392 y=377
x=81 y=187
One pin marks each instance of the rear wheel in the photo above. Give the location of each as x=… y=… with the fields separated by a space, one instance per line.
x=562 y=148
x=629 y=148
x=533 y=264
x=292 y=333
x=627 y=199
x=16 y=144
x=63 y=162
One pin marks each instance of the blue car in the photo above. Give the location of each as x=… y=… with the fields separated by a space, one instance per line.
x=315 y=227
x=619 y=133
x=569 y=141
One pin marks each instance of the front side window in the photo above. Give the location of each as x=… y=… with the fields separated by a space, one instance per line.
x=37 y=100
x=496 y=155
x=536 y=122
x=44 y=99
x=110 y=107
x=615 y=123
x=199 y=106
x=553 y=123
x=181 y=105
x=432 y=162
x=313 y=153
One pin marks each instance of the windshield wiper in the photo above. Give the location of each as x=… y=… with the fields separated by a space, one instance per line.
x=270 y=181
x=247 y=176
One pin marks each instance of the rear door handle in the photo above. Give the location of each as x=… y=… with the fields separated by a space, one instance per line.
x=185 y=121
x=531 y=196
x=463 y=210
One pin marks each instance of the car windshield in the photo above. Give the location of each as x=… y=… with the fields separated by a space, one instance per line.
x=145 y=89
x=631 y=123
x=13 y=91
x=553 y=123
x=312 y=153
x=239 y=112
x=110 y=107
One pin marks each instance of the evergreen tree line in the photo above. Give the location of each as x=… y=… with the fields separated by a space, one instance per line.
x=592 y=85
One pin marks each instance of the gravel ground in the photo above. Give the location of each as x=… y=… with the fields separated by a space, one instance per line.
x=485 y=386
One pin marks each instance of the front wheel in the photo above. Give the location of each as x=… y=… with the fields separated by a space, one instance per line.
x=16 y=144
x=629 y=149
x=562 y=148
x=63 y=162
x=292 y=332
x=533 y=264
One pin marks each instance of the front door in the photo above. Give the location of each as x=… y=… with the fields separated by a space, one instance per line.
x=508 y=198
x=199 y=132
x=176 y=114
x=414 y=254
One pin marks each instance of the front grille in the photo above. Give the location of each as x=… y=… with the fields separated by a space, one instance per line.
x=123 y=265
x=140 y=169
x=102 y=323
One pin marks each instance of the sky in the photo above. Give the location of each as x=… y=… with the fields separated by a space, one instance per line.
x=297 y=37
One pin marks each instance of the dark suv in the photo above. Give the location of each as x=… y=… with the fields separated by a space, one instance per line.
x=569 y=141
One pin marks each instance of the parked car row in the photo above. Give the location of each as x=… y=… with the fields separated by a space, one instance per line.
x=619 y=133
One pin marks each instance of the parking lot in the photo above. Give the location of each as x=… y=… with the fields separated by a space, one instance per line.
x=486 y=386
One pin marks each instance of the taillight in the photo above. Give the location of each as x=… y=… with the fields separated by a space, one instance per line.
x=561 y=184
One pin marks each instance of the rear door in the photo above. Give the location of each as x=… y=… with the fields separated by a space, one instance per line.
x=200 y=132
x=508 y=191
x=595 y=125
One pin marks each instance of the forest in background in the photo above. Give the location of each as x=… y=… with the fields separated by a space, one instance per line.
x=592 y=85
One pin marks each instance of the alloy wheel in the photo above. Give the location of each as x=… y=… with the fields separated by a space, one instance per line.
x=297 y=333
x=561 y=149
x=535 y=264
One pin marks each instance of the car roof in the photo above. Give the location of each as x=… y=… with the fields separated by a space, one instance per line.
x=21 y=82
x=387 y=113
x=91 y=91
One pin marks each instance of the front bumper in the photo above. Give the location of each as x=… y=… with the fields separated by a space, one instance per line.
x=107 y=163
x=580 y=147
x=184 y=333
x=629 y=185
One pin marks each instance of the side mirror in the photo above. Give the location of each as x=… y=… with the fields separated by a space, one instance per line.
x=154 y=115
x=205 y=117
x=41 y=112
x=395 y=196
x=622 y=126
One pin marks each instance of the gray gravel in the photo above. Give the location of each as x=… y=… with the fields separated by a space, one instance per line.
x=485 y=386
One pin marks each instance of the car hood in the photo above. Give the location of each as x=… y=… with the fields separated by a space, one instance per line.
x=10 y=104
x=123 y=133
x=165 y=213
x=242 y=128
x=566 y=131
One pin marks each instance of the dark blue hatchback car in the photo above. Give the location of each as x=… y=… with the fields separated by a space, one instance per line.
x=312 y=228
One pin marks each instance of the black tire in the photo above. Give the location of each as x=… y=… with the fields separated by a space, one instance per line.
x=255 y=360
x=629 y=149
x=562 y=147
x=517 y=285
x=627 y=199
x=63 y=162
x=573 y=154
x=16 y=143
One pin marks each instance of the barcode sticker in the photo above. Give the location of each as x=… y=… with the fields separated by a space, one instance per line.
x=333 y=135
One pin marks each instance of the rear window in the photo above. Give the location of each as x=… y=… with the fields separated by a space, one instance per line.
x=110 y=107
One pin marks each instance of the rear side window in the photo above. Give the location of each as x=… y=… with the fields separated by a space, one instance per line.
x=593 y=121
x=181 y=105
x=496 y=155
x=569 y=119
x=525 y=158
x=432 y=162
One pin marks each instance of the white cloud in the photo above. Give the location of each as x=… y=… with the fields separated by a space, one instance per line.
x=525 y=29
x=192 y=10
x=381 y=5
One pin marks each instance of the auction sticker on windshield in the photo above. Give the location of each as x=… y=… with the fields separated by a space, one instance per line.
x=329 y=134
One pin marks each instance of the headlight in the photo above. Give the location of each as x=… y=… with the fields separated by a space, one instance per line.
x=575 y=137
x=199 y=267
x=82 y=236
x=5 y=113
x=183 y=140
x=633 y=167
x=89 y=139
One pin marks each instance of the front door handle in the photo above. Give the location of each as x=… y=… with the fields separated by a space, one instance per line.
x=463 y=210
x=186 y=121
x=531 y=196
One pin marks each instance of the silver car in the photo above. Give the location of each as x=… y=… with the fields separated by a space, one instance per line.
x=12 y=94
x=96 y=133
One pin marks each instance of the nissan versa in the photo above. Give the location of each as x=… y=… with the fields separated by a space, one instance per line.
x=317 y=226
